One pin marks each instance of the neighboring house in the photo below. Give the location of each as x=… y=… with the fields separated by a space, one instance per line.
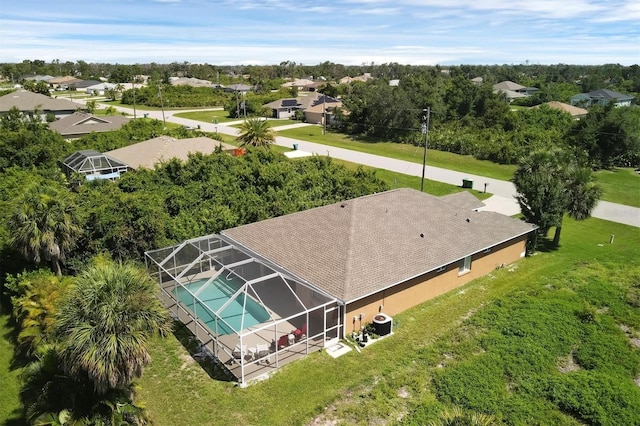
x=94 y=165
x=264 y=294
x=286 y=108
x=575 y=112
x=100 y=89
x=81 y=86
x=44 y=78
x=27 y=102
x=321 y=112
x=82 y=123
x=514 y=90
x=299 y=83
x=394 y=82
x=477 y=81
x=63 y=83
x=148 y=153
x=364 y=78
x=242 y=88
x=190 y=81
x=602 y=97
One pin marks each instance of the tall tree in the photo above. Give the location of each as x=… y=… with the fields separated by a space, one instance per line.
x=551 y=183
x=43 y=226
x=105 y=323
x=256 y=132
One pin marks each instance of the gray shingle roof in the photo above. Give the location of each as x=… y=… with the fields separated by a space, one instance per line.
x=27 y=101
x=609 y=95
x=163 y=148
x=463 y=199
x=357 y=247
x=80 y=123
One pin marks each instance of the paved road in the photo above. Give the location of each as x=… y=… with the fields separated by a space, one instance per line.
x=502 y=201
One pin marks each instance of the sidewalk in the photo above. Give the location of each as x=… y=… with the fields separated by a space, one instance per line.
x=502 y=201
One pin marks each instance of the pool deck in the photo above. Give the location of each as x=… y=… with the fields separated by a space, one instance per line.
x=223 y=345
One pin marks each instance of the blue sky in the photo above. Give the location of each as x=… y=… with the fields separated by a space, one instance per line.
x=350 y=32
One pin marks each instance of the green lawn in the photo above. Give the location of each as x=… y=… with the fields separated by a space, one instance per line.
x=9 y=375
x=400 y=180
x=620 y=186
x=394 y=377
x=405 y=152
x=207 y=116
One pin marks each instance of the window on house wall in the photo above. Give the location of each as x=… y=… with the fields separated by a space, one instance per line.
x=465 y=265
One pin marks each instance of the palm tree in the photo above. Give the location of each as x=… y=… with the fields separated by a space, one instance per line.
x=43 y=226
x=105 y=323
x=256 y=132
x=50 y=397
x=583 y=194
x=552 y=183
x=36 y=308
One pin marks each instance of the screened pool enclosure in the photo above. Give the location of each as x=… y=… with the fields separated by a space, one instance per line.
x=250 y=314
x=94 y=165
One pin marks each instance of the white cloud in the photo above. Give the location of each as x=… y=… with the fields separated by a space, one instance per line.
x=307 y=31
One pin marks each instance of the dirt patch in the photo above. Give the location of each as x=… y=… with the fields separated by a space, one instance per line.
x=568 y=364
x=603 y=310
x=632 y=335
x=187 y=360
x=637 y=381
x=403 y=393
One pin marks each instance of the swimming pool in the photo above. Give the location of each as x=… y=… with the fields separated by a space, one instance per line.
x=214 y=296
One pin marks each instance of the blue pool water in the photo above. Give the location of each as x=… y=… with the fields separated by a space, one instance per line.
x=216 y=294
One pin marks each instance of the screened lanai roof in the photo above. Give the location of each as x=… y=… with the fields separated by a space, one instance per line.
x=232 y=290
x=94 y=165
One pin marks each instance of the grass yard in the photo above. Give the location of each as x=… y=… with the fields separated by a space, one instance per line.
x=620 y=186
x=450 y=350
x=275 y=123
x=400 y=180
x=207 y=116
x=9 y=375
x=446 y=160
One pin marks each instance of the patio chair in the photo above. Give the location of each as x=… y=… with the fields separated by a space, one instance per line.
x=301 y=332
x=238 y=352
x=283 y=341
x=262 y=351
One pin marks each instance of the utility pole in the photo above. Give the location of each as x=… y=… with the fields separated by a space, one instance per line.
x=162 y=105
x=133 y=86
x=425 y=131
x=237 y=104
x=324 y=114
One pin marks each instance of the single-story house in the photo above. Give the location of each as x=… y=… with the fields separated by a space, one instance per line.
x=286 y=108
x=64 y=83
x=82 y=123
x=299 y=83
x=363 y=78
x=575 y=112
x=190 y=81
x=148 y=153
x=83 y=85
x=44 y=78
x=321 y=112
x=100 y=89
x=514 y=90
x=242 y=88
x=94 y=165
x=602 y=97
x=263 y=294
x=27 y=102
